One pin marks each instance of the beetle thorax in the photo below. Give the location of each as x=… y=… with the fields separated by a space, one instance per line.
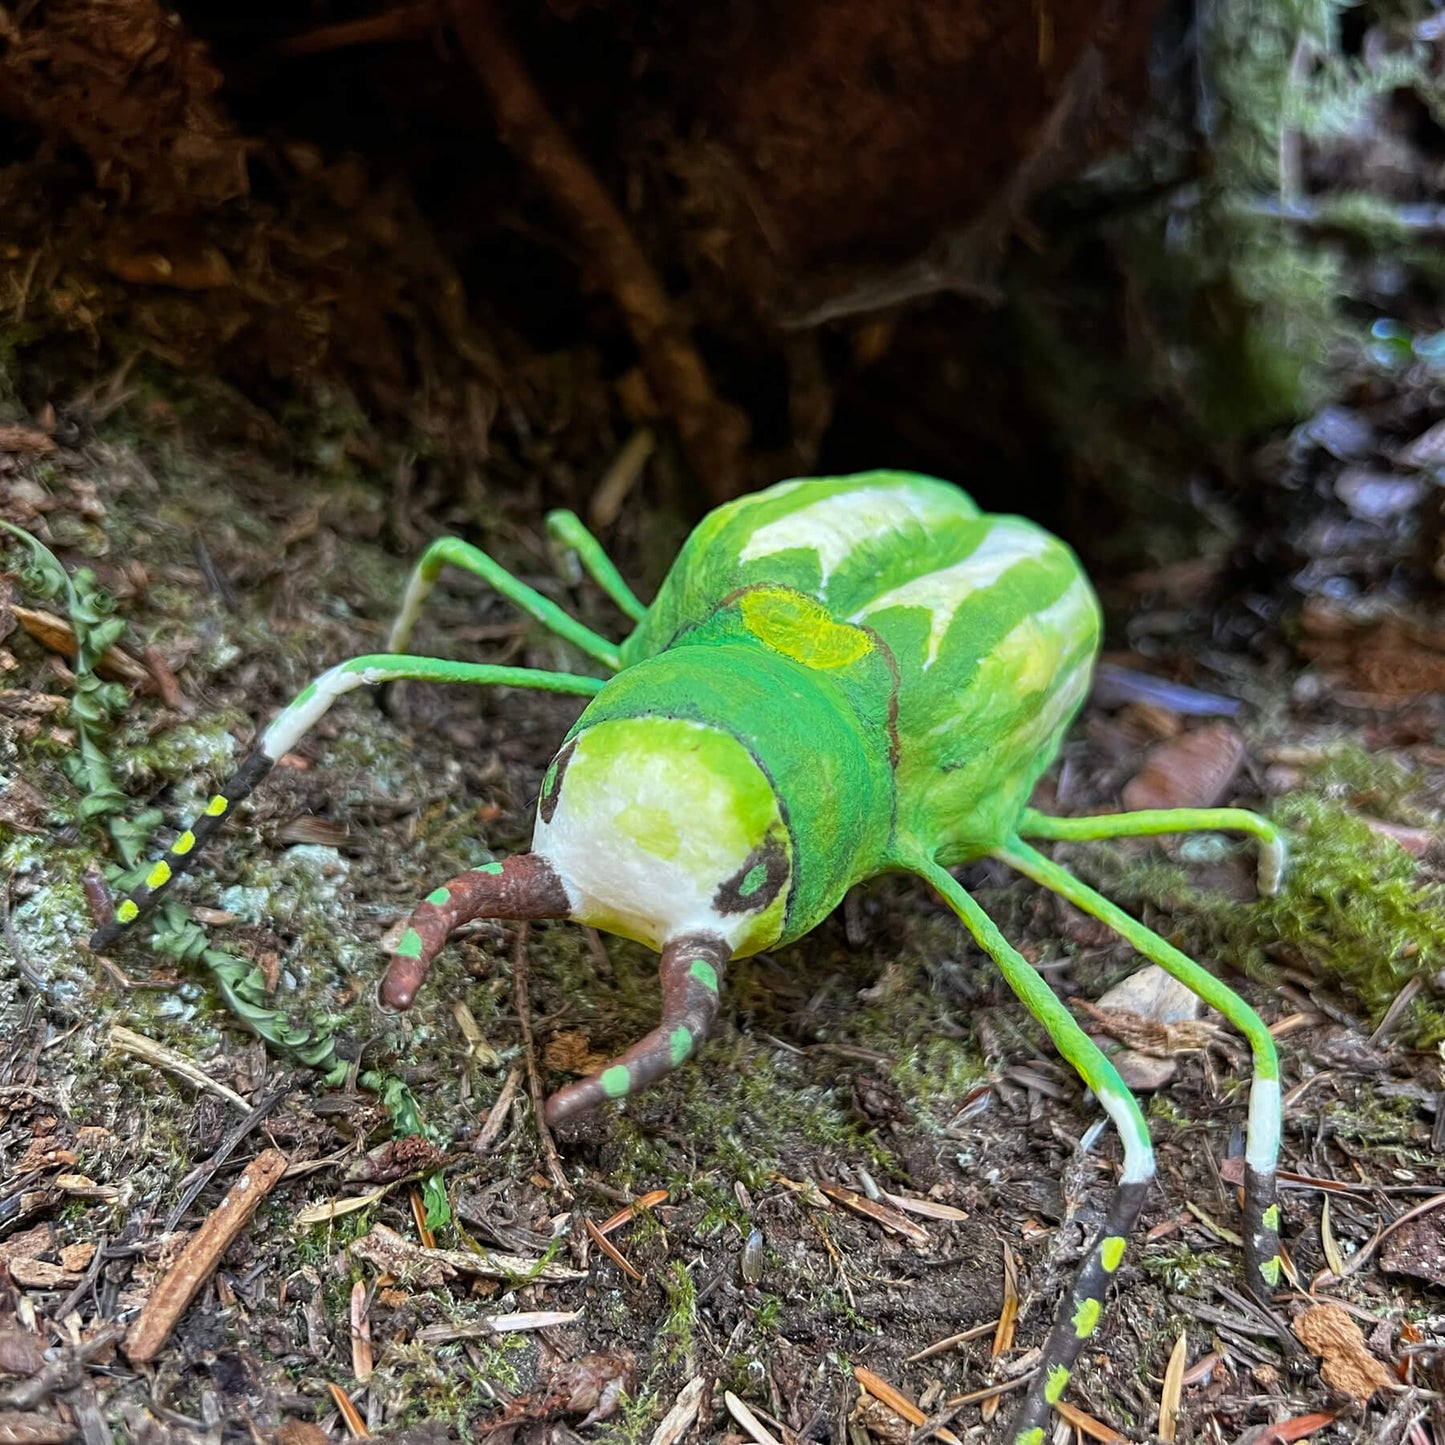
x=660 y=826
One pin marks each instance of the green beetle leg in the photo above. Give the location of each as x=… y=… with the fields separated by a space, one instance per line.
x=1079 y=1316
x=290 y=726
x=1261 y=1213
x=524 y=886
x=452 y=551
x=691 y=971
x=1151 y=822
x=567 y=528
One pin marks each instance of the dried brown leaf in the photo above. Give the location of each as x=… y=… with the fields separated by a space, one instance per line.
x=1191 y=771
x=1328 y=1331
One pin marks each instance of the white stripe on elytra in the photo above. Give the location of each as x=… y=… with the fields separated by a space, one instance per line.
x=943 y=592
x=836 y=524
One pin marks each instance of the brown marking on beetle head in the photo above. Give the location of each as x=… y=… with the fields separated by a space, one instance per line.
x=552 y=781
x=757 y=882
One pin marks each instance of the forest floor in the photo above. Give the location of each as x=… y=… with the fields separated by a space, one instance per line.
x=876 y=1149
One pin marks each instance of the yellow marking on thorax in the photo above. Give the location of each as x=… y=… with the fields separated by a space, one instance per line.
x=793 y=624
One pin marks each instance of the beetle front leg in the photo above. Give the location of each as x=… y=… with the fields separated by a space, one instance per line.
x=1151 y=822
x=1261 y=1212
x=525 y=886
x=291 y=725
x=1079 y=1316
x=691 y=970
x=452 y=551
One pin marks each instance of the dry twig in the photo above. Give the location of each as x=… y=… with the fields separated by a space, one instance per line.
x=712 y=431
x=198 y=1260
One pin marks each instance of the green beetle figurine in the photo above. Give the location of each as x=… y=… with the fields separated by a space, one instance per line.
x=838 y=678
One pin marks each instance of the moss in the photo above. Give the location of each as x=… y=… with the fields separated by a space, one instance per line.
x=1352 y=908
x=681 y=1317
x=1180 y=1268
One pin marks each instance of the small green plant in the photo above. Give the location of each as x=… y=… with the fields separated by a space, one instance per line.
x=681 y=1311
x=94 y=703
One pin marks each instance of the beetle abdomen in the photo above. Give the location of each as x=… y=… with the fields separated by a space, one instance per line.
x=990 y=621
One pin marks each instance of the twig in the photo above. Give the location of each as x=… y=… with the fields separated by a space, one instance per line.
x=497 y=1115
x=712 y=431
x=402 y=22
x=87 y=1283
x=169 y=1061
x=523 y=1005
x=197 y=1261
x=61 y=1373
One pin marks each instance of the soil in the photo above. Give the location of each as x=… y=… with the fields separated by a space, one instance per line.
x=879 y=1054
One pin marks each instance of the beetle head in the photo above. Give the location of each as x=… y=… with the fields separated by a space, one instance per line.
x=660 y=826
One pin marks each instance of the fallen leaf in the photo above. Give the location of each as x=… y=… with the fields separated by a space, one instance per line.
x=1191 y=771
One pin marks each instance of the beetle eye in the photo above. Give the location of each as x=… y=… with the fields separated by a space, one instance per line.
x=757 y=882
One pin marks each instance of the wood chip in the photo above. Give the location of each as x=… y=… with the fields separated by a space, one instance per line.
x=879 y=1213
x=749 y=1422
x=361 y=1362
x=1191 y=771
x=202 y=1253
x=41 y=1274
x=1172 y=1390
x=392 y=1254
x=679 y=1420
x=1328 y=1331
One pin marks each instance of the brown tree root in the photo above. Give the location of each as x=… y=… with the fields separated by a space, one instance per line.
x=712 y=431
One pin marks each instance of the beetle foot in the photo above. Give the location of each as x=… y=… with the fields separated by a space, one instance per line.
x=691 y=971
